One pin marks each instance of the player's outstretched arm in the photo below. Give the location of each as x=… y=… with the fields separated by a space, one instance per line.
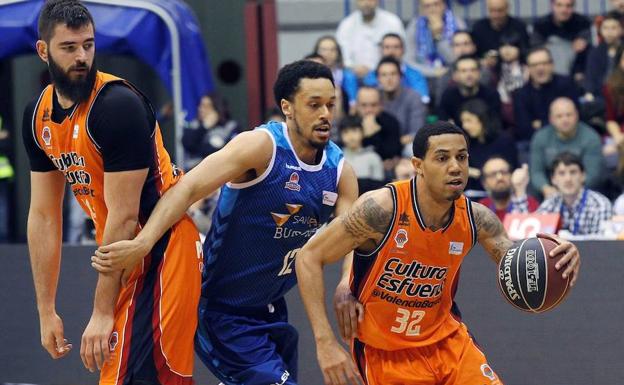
x=494 y=239
x=348 y=310
x=44 y=245
x=366 y=222
x=249 y=151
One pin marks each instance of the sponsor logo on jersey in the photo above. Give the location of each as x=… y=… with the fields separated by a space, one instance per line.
x=488 y=372
x=404 y=219
x=401 y=238
x=296 y=168
x=409 y=278
x=76 y=130
x=113 y=340
x=46 y=115
x=293 y=182
x=46 y=135
x=283 y=379
x=329 y=198
x=280 y=219
x=532 y=271
x=456 y=248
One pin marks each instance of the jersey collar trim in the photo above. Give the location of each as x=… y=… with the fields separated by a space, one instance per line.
x=419 y=217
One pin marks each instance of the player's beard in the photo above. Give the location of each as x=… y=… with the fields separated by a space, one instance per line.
x=77 y=90
x=320 y=146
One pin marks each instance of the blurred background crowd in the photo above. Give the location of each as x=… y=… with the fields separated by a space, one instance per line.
x=541 y=99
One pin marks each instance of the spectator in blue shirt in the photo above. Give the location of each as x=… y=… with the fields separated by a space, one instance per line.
x=393 y=45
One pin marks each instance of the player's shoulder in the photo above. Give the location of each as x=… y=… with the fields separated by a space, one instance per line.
x=381 y=198
x=118 y=93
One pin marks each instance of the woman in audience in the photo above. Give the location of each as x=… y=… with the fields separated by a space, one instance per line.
x=512 y=74
x=209 y=132
x=487 y=139
x=601 y=59
x=613 y=92
x=346 y=80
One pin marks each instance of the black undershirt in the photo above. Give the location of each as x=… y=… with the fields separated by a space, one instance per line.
x=121 y=123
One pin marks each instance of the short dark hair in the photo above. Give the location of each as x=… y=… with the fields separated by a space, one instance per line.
x=466 y=57
x=539 y=49
x=612 y=15
x=566 y=158
x=462 y=32
x=350 y=122
x=393 y=35
x=72 y=13
x=388 y=60
x=421 y=140
x=314 y=55
x=289 y=77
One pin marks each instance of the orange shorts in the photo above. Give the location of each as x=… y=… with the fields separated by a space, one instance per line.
x=156 y=314
x=455 y=360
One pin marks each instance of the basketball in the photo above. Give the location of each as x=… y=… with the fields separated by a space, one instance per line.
x=527 y=276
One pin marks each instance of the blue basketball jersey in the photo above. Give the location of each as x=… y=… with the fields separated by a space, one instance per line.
x=258 y=226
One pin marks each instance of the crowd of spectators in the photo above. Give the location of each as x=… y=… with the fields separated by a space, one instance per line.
x=542 y=102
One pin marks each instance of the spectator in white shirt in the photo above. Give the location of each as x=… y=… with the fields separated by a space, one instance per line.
x=360 y=33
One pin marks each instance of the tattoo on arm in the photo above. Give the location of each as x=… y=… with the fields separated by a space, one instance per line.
x=367 y=219
x=490 y=232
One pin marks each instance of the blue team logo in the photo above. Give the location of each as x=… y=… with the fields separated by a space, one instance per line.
x=293 y=182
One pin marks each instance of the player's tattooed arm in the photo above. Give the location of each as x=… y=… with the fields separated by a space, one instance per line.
x=369 y=218
x=490 y=232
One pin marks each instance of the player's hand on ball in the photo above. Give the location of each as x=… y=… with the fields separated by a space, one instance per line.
x=95 y=348
x=571 y=259
x=122 y=255
x=52 y=335
x=348 y=311
x=336 y=364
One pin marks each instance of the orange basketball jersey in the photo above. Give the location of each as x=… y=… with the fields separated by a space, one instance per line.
x=72 y=149
x=407 y=284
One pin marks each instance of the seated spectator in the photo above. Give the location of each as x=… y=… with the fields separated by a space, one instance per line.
x=567 y=35
x=360 y=33
x=273 y=115
x=381 y=129
x=208 y=133
x=404 y=170
x=618 y=206
x=366 y=163
x=617 y=9
x=403 y=103
x=532 y=101
x=613 y=92
x=392 y=45
x=601 y=59
x=582 y=210
x=466 y=77
x=487 y=139
x=491 y=32
x=463 y=45
x=565 y=134
x=512 y=74
x=346 y=81
x=507 y=191
x=428 y=43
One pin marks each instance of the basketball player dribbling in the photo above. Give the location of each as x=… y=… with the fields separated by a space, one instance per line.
x=98 y=133
x=410 y=239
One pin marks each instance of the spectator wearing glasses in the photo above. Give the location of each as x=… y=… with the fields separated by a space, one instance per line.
x=507 y=190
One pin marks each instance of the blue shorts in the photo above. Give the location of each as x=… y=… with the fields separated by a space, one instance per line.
x=243 y=346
